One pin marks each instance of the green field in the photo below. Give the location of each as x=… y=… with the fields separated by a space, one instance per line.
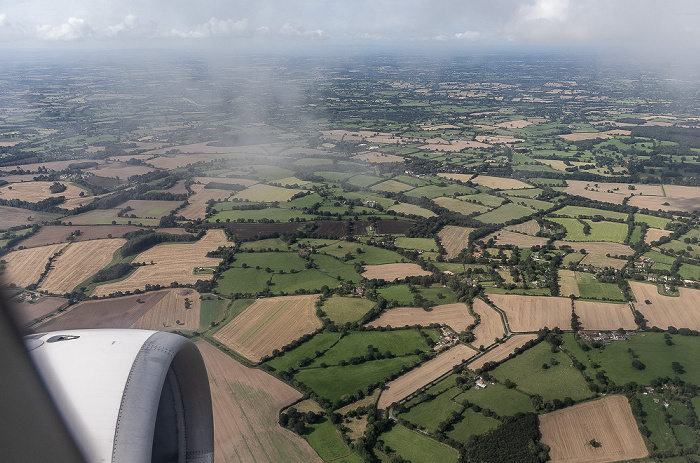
x=578 y=211
x=213 y=310
x=311 y=280
x=600 y=231
x=271 y=213
x=470 y=424
x=484 y=198
x=437 y=295
x=325 y=439
x=687 y=271
x=532 y=203
x=335 y=268
x=430 y=413
x=410 y=209
x=433 y=191
x=658 y=257
x=426 y=244
x=416 y=447
x=590 y=288
x=355 y=344
x=556 y=382
x=319 y=342
x=346 y=309
x=270 y=244
x=661 y=433
x=636 y=235
x=653 y=222
x=325 y=381
x=653 y=352
x=505 y=213
x=499 y=399
x=363 y=181
x=276 y=261
x=461 y=207
x=242 y=280
x=392 y=186
x=370 y=255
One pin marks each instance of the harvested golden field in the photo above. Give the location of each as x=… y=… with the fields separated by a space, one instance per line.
x=197 y=207
x=377 y=158
x=500 y=183
x=655 y=234
x=454 y=239
x=578 y=136
x=531 y=227
x=430 y=371
x=459 y=177
x=559 y=165
x=612 y=192
x=246 y=405
x=490 y=327
x=501 y=351
x=119 y=312
x=171 y=262
x=266 y=193
x=410 y=209
x=121 y=170
x=179 y=305
x=678 y=198
x=456 y=316
x=25 y=266
x=389 y=272
x=363 y=402
x=609 y=421
x=517 y=239
x=597 y=252
x=269 y=324
x=665 y=311
x=568 y=284
x=38 y=191
x=78 y=262
x=15 y=217
x=519 y=124
x=51 y=165
x=530 y=313
x=452 y=146
x=604 y=315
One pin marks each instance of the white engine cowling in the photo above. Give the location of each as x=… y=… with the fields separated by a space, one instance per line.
x=129 y=395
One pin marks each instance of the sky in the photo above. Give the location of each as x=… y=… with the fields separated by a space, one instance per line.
x=670 y=25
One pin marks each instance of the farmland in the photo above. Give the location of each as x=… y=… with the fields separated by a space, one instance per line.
x=390 y=272
x=501 y=351
x=665 y=311
x=530 y=313
x=454 y=239
x=346 y=309
x=180 y=309
x=456 y=316
x=490 y=325
x=37 y=191
x=24 y=267
x=270 y=324
x=77 y=262
x=604 y=316
x=608 y=421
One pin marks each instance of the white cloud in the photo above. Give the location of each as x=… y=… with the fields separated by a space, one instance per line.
x=216 y=27
x=72 y=30
x=550 y=10
x=129 y=24
x=288 y=30
x=467 y=35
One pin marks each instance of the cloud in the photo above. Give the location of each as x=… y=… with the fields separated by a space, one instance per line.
x=288 y=30
x=467 y=35
x=125 y=27
x=216 y=27
x=72 y=30
x=549 y=10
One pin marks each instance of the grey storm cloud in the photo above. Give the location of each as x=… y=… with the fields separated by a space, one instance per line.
x=587 y=22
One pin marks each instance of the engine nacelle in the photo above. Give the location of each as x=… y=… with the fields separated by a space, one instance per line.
x=129 y=395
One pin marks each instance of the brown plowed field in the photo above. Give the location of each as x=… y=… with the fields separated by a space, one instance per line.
x=516 y=239
x=170 y=309
x=490 y=327
x=246 y=406
x=15 y=217
x=531 y=227
x=389 y=272
x=612 y=192
x=456 y=316
x=37 y=191
x=25 y=313
x=269 y=324
x=172 y=262
x=501 y=351
x=530 y=313
x=197 y=207
x=52 y=165
x=419 y=377
x=25 y=266
x=53 y=234
x=454 y=239
x=655 y=234
x=604 y=316
x=665 y=311
x=78 y=262
x=679 y=198
x=121 y=170
x=120 y=312
x=500 y=183
x=609 y=421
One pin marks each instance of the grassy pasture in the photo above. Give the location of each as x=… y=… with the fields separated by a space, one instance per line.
x=433 y=191
x=346 y=309
x=392 y=186
x=275 y=244
x=319 y=342
x=335 y=268
x=661 y=433
x=483 y=198
x=266 y=193
x=242 y=280
x=556 y=382
x=430 y=413
x=500 y=399
x=363 y=181
x=600 y=231
x=354 y=344
x=277 y=261
x=370 y=255
x=505 y=213
x=590 y=288
x=532 y=203
x=324 y=381
x=311 y=280
x=271 y=213
x=410 y=209
x=435 y=294
x=413 y=446
x=425 y=244
x=461 y=207
x=324 y=438
x=471 y=424
x=212 y=310
x=578 y=211
x=652 y=221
